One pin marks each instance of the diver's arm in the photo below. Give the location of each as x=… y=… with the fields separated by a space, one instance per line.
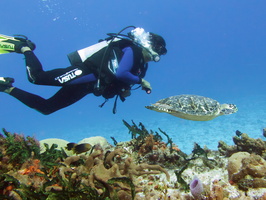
x=123 y=72
x=126 y=64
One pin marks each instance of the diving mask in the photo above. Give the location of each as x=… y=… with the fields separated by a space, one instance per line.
x=144 y=39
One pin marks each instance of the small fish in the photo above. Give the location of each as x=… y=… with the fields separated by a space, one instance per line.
x=70 y=146
x=78 y=148
x=238 y=133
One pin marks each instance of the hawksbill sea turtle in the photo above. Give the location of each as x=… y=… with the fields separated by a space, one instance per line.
x=192 y=107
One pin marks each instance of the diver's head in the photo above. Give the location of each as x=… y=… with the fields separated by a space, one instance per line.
x=154 y=44
x=158 y=44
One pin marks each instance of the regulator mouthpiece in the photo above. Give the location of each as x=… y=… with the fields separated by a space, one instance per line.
x=156 y=58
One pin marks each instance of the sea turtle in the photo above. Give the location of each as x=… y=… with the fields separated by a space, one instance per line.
x=193 y=107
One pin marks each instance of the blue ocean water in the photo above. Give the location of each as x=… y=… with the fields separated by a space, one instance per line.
x=215 y=49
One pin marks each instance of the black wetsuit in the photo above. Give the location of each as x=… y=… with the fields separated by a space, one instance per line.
x=78 y=81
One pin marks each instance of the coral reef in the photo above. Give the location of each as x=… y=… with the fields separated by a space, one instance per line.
x=151 y=148
x=243 y=143
x=15 y=150
x=246 y=163
x=52 y=174
x=145 y=167
x=247 y=170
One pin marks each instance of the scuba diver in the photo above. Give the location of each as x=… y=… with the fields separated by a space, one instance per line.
x=108 y=68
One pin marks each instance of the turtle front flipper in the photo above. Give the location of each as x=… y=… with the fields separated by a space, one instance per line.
x=227 y=109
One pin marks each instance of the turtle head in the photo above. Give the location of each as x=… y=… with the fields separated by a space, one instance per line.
x=160 y=107
x=227 y=109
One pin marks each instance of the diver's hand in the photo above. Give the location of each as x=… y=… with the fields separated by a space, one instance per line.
x=146 y=86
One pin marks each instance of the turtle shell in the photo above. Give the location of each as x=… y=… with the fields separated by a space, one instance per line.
x=191 y=107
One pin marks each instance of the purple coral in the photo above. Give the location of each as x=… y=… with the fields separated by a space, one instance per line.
x=196 y=187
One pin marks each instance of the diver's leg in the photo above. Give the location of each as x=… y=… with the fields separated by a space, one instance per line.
x=66 y=96
x=56 y=77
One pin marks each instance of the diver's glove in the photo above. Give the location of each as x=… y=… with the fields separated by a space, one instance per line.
x=146 y=86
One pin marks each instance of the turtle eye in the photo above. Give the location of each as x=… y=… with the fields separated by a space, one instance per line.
x=232 y=106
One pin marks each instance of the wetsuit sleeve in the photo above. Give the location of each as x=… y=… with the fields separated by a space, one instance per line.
x=126 y=64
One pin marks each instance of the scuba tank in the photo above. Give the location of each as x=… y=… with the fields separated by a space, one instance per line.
x=79 y=56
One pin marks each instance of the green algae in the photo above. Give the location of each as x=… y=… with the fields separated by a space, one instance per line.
x=51 y=154
x=197 y=153
x=18 y=148
x=139 y=132
x=126 y=180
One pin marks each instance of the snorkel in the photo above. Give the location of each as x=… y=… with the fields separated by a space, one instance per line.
x=142 y=38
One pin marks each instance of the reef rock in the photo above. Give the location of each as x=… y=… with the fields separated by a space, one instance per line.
x=247 y=168
x=243 y=143
x=251 y=145
x=235 y=165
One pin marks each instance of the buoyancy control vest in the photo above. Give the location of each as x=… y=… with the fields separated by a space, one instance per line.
x=103 y=58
